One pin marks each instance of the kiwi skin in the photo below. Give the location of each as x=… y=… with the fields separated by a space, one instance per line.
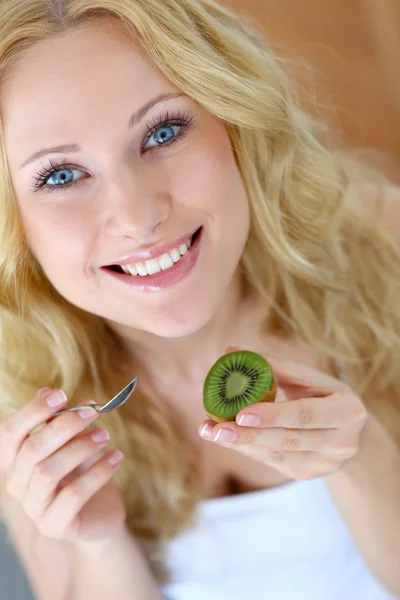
x=269 y=396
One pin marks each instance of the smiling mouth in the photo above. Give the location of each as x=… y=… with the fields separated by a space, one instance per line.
x=156 y=265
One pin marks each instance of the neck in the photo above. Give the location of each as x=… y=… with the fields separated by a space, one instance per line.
x=191 y=356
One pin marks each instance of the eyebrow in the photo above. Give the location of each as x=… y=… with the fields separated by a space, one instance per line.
x=133 y=121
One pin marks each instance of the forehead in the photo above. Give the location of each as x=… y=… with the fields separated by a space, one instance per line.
x=68 y=82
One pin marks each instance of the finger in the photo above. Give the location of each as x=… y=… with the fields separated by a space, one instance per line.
x=304 y=376
x=82 y=468
x=329 y=442
x=70 y=500
x=41 y=445
x=232 y=349
x=330 y=412
x=300 y=380
x=297 y=465
x=300 y=375
x=14 y=430
x=49 y=473
x=281 y=395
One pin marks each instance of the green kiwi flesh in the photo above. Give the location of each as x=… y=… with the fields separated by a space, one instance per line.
x=236 y=380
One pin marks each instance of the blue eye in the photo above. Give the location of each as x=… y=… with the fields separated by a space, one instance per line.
x=164 y=129
x=63 y=177
x=165 y=132
x=165 y=135
x=62 y=174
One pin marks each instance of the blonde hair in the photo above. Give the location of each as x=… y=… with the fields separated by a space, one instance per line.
x=327 y=270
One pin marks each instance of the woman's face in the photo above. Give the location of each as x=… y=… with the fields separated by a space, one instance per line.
x=121 y=185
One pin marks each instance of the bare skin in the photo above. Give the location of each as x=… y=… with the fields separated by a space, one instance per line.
x=127 y=199
x=131 y=197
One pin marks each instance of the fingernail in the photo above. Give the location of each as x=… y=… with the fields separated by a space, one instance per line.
x=249 y=420
x=225 y=435
x=231 y=349
x=101 y=435
x=56 y=398
x=86 y=412
x=115 y=457
x=206 y=431
x=43 y=391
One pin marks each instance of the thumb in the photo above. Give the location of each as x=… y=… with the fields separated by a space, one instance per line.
x=281 y=396
x=232 y=349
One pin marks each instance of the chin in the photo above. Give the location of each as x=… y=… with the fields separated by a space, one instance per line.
x=181 y=324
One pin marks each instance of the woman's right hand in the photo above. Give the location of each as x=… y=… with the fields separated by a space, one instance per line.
x=61 y=475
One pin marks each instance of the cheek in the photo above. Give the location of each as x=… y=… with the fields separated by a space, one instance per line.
x=229 y=203
x=210 y=181
x=53 y=240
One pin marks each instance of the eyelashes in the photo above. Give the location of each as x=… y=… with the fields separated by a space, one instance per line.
x=183 y=120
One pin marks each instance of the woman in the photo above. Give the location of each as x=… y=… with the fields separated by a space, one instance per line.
x=171 y=128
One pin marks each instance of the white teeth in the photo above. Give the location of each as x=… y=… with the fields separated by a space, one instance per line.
x=166 y=262
x=132 y=269
x=129 y=269
x=152 y=266
x=141 y=269
x=162 y=263
x=175 y=254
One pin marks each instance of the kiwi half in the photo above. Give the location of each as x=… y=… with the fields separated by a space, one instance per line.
x=238 y=379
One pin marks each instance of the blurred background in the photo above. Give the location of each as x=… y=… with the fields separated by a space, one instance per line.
x=352 y=49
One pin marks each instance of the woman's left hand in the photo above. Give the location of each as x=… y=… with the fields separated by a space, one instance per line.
x=310 y=430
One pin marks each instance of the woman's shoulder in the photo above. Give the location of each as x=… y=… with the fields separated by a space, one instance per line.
x=382 y=200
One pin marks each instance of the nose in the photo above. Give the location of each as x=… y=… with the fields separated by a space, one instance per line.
x=134 y=207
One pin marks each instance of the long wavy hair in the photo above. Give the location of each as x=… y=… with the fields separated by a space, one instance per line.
x=326 y=268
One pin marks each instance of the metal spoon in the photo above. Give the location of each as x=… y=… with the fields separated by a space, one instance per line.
x=115 y=402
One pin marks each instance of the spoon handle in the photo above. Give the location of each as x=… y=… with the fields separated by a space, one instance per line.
x=60 y=412
x=115 y=402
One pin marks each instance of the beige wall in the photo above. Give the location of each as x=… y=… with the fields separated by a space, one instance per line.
x=355 y=46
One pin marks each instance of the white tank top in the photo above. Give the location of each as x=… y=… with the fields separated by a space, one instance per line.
x=285 y=543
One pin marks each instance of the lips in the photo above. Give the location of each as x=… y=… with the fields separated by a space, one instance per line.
x=154 y=253
x=164 y=279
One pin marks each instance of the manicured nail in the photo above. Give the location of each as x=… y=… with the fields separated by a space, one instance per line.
x=57 y=398
x=101 y=435
x=249 y=420
x=231 y=349
x=115 y=457
x=43 y=391
x=206 y=431
x=86 y=412
x=226 y=436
